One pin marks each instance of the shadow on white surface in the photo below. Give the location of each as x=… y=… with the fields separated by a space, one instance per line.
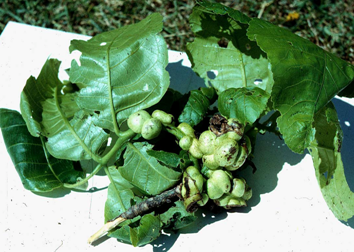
x=204 y=217
x=61 y=192
x=270 y=155
x=183 y=78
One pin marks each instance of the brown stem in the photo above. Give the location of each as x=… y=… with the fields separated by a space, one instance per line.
x=141 y=208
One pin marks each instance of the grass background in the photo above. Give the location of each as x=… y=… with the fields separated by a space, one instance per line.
x=327 y=23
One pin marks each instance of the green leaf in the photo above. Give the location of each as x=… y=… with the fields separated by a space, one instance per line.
x=218 y=8
x=122 y=234
x=76 y=139
x=145 y=172
x=121 y=71
x=120 y=198
x=222 y=53
x=306 y=78
x=120 y=195
x=196 y=108
x=177 y=217
x=69 y=137
x=37 y=91
x=325 y=152
x=38 y=170
x=167 y=158
x=146 y=232
x=245 y=104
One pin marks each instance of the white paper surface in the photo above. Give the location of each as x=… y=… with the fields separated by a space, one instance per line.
x=287 y=212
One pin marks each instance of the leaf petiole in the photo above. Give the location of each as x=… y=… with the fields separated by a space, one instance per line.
x=123 y=137
x=174 y=131
x=102 y=162
x=83 y=181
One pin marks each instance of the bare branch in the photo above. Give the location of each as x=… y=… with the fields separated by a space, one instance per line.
x=142 y=208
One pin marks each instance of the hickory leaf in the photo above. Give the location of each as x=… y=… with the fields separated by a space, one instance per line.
x=245 y=104
x=69 y=137
x=146 y=232
x=222 y=53
x=177 y=217
x=249 y=66
x=305 y=76
x=325 y=152
x=119 y=196
x=197 y=106
x=220 y=9
x=121 y=71
x=38 y=170
x=167 y=158
x=145 y=172
x=37 y=91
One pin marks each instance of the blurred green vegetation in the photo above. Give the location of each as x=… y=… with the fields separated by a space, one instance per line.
x=327 y=23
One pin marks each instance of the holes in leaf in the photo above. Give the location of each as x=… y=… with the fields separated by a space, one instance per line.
x=109 y=141
x=290 y=43
x=97 y=112
x=103 y=44
x=212 y=74
x=258 y=81
x=223 y=42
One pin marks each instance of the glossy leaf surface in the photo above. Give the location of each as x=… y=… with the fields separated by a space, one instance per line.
x=38 y=170
x=167 y=158
x=306 y=78
x=121 y=71
x=196 y=108
x=69 y=137
x=222 y=53
x=120 y=195
x=145 y=172
x=245 y=104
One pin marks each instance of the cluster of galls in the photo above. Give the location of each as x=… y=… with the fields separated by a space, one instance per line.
x=223 y=148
